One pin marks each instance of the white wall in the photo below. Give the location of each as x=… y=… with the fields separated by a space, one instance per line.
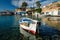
x=55 y=12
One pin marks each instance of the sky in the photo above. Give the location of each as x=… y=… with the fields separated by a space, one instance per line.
x=6 y=5
x=12 y=4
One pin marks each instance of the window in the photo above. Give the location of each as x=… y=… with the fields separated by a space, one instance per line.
x=58 y=12
x=42 y=13
x=47 y=13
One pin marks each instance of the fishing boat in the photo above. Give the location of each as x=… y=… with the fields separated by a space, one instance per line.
x=29 y=25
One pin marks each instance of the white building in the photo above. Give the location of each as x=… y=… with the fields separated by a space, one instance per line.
x=52 y=9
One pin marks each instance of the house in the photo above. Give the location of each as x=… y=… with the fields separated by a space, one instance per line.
x=52 y=9
x=29 y=11
x=22 y=9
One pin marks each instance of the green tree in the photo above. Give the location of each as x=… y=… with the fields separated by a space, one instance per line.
x=38 y=7
x=38 y=4
x=38 y=10
x=24 y=5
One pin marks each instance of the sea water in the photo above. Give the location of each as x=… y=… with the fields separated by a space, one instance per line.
x=9 y=30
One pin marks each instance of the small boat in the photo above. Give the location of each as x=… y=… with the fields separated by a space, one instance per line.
x=29 y=25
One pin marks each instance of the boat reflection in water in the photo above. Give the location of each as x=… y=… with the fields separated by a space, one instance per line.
x=27 y=35
x=47 y=31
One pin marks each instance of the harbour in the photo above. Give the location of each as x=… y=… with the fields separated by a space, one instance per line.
x=29 y=20
x=10 y=31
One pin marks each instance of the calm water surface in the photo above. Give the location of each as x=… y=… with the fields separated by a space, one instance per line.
x=9 y=30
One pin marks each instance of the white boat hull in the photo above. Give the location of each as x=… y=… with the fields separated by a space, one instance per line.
x=30 y=27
